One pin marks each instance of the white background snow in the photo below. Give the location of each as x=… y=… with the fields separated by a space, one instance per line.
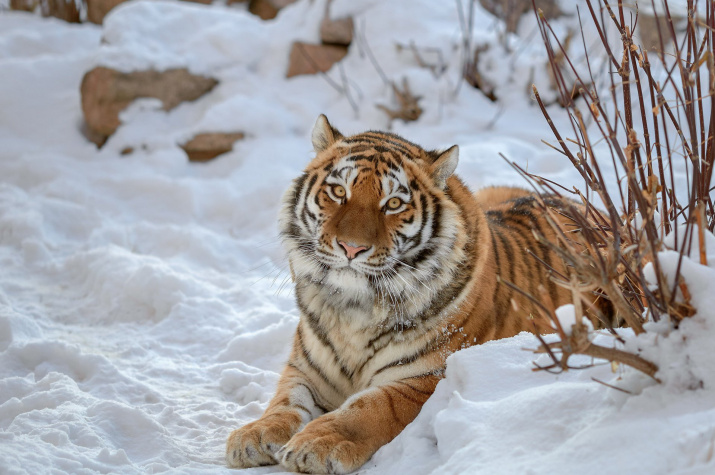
x=145 y=305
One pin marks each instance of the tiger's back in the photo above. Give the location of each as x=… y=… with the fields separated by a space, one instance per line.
x=397 y=264
x=515 y=218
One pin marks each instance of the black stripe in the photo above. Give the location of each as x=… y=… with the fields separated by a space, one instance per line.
x=312 y=396
x=429 y=393
x=392 y=166
x=297 y=188
x=312 y=363
x=381 y=135
x=546 y=257
x=409 y=398
x=503 y=304
x=509 y=252
x=528 y=242
x=428 y=347
x=379 y=336
x=429 y=249
x=367 y=360
x=314 y=325
x=312 y=181
x=391 y=403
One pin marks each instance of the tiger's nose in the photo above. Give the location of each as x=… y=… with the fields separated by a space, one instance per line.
x=352 y=251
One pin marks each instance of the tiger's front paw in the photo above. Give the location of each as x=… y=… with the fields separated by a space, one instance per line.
x=256 y=444
x=322 y=448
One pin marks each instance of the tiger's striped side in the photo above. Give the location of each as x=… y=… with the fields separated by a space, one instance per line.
x=396 y=266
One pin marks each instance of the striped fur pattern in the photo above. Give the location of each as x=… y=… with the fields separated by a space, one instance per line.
x=396 y=266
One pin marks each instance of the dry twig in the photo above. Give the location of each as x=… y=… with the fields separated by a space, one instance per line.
x=649 y=124
x=408 y=104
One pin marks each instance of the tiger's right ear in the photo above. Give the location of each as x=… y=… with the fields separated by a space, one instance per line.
x=324 y=134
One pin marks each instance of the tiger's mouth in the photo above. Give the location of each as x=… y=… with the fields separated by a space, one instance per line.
x=364 y=264
x=374 y=262
x=365 y=268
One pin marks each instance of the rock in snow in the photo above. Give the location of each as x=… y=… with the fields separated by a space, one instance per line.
x=312 y=59
x=204 y=147
x=98 y=9
x=145 y=305
x=337 y=32
x=106 y=93
x=267 y=9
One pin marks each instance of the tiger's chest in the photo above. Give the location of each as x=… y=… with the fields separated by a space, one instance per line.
x=351 y=342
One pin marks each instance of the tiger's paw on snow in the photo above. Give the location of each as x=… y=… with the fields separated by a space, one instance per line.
x=322 y=447
x=256 y=444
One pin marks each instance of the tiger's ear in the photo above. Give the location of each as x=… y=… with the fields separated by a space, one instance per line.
x=324 y=134
x=444 y=165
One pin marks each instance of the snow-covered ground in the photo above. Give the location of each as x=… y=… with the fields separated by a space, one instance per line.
x=145 y=304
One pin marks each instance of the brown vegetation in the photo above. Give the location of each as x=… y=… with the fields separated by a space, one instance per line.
x=646 y=125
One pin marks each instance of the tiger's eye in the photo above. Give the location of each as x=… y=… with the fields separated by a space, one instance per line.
x=339 y=191
x=394 y=203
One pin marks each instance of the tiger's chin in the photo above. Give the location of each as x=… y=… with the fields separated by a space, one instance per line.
x=360 y=277
x=348 y=279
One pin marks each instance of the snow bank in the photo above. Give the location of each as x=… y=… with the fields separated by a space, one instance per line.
x=145 y=306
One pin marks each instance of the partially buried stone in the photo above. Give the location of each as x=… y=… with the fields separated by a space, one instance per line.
x=311 y=59
x=204 y=147
x=337 y=32
x=267 y=9
x=106 y=92
x=98 y=9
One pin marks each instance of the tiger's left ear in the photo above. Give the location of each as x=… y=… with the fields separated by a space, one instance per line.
x=444 y=165
x=324 y=135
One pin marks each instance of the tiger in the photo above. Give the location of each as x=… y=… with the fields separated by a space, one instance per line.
x=396 y=265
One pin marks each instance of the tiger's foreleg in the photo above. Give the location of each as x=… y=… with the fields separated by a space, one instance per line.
x=293 y=406
x=343 y=440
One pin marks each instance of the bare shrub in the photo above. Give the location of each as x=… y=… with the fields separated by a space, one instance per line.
x=625 y=139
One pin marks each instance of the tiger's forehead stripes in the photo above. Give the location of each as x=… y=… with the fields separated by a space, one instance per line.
x=384 y=142
x=385 y=168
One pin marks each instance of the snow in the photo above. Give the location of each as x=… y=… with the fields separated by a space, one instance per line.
x=145 y=305
x=566 y=314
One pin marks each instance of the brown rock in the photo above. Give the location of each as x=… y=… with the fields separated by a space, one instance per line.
x=106 y=92
x=23 y=5
x=98 y=9
x=510 y=11
x=67 y=10
x=204 y=147
x=337 y=32
x=311 y=59
x=648 y=27
x=267 y=9
x=98 y=139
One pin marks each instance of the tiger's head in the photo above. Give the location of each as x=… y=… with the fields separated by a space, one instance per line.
x=371 y=216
